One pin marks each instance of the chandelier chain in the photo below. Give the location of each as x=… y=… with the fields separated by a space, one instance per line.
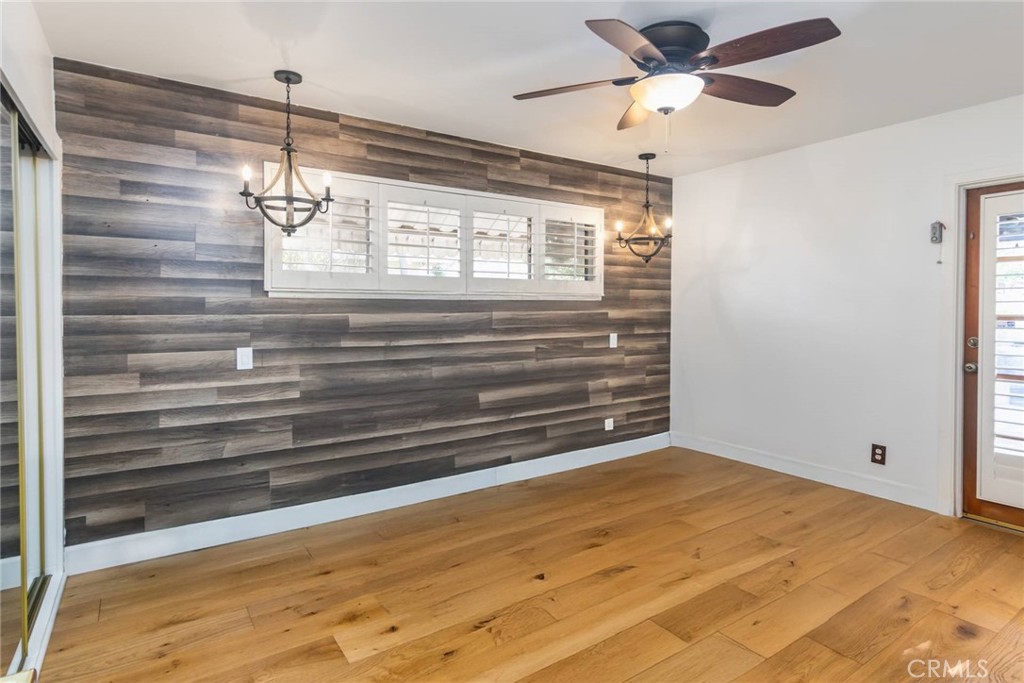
x=288 y=115
x=647 y=183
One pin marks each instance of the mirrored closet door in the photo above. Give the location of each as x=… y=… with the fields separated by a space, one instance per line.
x=22 y=559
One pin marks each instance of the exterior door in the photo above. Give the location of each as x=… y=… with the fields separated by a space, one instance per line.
x=994 y=355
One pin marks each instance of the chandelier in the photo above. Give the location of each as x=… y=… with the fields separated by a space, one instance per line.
x=288 y=211
x=647 y=239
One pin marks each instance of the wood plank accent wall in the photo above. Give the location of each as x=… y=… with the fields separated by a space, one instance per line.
x=163 y=277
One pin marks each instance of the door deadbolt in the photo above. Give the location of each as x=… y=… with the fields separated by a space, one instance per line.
x=970 y=367
x=972 y=342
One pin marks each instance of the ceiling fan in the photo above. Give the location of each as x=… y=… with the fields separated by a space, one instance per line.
x=675 y=59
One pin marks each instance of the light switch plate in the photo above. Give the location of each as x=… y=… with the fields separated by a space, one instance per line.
x=609 y=424
x=243 y=358
x=613 y=340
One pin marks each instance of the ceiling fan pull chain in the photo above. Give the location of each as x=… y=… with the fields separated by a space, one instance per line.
x=668 y=131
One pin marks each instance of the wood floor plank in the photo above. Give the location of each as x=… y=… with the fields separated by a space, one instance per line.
x=922 y=539
x=954 y=564
x=860 y=574
x=937 y=636
x=863 y=629
x=615 y=659
x=993 y=598
x=771 y=628
x=1004 y=655
x=76 y=651
x=425 y=657
x=319 y=661
x=714 y=659
x=804 y=661
x=706 y=613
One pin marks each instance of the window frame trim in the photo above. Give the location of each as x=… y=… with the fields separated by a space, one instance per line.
x=467 y=287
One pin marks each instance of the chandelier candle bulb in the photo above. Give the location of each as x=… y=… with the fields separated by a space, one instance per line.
x=246 y=177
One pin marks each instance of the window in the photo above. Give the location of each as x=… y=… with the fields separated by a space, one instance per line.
x=423 y=240
x=335 y=250
x=570 y=246
x=404 y=240
x=502 y=245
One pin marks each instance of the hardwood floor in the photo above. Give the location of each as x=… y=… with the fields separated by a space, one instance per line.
x=671 y=566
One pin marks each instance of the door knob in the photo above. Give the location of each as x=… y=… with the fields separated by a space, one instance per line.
x=970 y=367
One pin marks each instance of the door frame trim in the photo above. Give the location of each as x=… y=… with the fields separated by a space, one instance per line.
x=986 y=510
x=954 y=296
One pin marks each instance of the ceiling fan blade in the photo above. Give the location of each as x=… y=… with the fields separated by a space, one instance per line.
x=768 y=43
x=624 y=37
x=745 y=90
x=566 y=88
x=634 y=116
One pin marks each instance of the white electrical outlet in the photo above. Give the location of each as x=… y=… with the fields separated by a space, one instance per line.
x=613 y=340
x=243 y=358
x=609 y=424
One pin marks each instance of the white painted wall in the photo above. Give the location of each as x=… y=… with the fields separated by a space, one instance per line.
x=26 y=68
x=809 y=315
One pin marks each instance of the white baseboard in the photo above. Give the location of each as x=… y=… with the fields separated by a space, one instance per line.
x=10 y=572
x=855 y=481
x=112 y=552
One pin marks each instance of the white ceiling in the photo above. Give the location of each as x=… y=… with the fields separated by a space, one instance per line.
x=454 y=66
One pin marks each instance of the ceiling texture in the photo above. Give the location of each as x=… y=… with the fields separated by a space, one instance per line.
x=453 y=67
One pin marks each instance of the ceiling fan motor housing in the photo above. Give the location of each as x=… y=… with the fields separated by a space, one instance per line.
x=677 y=40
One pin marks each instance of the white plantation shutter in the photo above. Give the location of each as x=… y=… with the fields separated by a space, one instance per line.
x=505 y=255
x=390 y=239
x=572 y=249
x=336 y=242
x=334 y=250
x=424 y=239
x=502 y=246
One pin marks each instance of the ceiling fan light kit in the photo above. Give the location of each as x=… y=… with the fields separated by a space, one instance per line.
x=675 y=60
x=647 y=238
x=289 y=211
x=668 y=92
